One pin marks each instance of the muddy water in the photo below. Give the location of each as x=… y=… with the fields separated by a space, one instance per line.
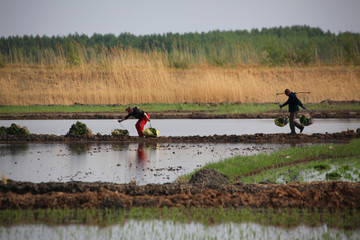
x=117 y=163
x=187 y=127
x=170 y=230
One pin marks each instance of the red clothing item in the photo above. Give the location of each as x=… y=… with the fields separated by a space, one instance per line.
x=141 y=115
x=140 y=125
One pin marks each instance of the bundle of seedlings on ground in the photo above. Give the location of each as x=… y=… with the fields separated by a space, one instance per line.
x=306 y=120
x=281 y=121
x=79 y=129
x=120 y=132
x=322 y=167
x=14 y=130
x=151 y=132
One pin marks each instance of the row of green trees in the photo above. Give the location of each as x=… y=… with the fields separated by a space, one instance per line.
x=294 y=45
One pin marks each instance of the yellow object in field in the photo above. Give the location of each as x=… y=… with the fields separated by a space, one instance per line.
x=151 y=132
x=120 y=132
x=4 y=179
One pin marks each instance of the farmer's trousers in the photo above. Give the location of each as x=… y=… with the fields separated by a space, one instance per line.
x=294 y=123
x=140 y=125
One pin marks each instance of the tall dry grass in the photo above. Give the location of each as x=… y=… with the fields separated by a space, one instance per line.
x=128 y=77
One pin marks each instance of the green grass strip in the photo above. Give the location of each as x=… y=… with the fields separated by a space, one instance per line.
x=220 y=108
x=160 y=107
x=54 y=108
x=348 y=219
x=240 y=166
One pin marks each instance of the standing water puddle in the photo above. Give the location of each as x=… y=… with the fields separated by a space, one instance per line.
x=115 y=162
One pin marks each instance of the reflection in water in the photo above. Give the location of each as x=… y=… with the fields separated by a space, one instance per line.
x=14 y=149
x=144 y=151
x=79 y=148
x=120 y=146
x=116 y=162
x=161 y=229
x=141 y=153
x=141 y=164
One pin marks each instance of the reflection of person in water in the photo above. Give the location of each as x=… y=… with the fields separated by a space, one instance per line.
x=140 y=153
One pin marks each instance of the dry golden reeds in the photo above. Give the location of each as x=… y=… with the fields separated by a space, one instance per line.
x=127 y=77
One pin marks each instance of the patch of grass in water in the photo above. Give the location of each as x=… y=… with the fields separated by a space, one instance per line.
x=333 y=176
x=345 y=168
x=307 y=172
x=322 y=167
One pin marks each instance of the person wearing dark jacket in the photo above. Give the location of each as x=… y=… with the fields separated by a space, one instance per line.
x=138 y=114
x=294 y=104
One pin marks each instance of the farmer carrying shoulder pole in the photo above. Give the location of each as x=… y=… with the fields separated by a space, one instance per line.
x=138 y=114
x=294 y=104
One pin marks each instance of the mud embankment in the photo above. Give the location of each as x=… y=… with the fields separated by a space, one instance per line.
x=24 y=195
x=245 y=138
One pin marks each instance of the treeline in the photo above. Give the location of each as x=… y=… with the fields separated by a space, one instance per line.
x=296 y=45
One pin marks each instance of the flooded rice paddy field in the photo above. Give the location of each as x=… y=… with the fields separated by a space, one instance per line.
x=144 y=162
x=148 y=230
x=117 y=162
x=162 y=163
x=186 y=127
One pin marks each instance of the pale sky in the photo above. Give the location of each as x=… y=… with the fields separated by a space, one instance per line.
x=142 y=17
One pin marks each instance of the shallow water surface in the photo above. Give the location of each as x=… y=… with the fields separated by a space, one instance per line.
x=115 y=162
x=169 y=230
x=187 y=127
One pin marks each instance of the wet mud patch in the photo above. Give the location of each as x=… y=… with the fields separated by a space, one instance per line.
x=338 y=194
x=245 y=138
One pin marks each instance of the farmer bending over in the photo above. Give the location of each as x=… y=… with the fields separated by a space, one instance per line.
x=139 y=114
x=294 y=104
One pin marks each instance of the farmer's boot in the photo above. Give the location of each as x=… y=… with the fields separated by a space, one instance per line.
x=302 y=129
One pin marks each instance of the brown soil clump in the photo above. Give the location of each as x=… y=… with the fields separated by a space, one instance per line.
x=209 y=178
x=25 y=195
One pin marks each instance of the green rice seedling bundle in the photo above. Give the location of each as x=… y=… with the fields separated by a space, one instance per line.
x=120 y=132
x=281 y=121
x=79 y=129
x=151 y=132
x=306 y=120
x=14 y=129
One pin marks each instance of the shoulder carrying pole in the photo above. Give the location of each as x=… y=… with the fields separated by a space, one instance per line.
x=296 y=92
